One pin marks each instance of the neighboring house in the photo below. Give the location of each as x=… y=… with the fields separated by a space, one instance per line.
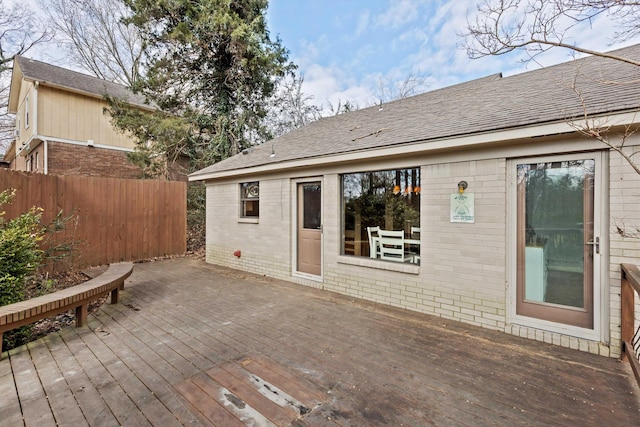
x=61 y=127
x=530 y=247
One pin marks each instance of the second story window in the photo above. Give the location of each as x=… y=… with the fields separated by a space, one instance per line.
x=16 y=132
x=26 y=113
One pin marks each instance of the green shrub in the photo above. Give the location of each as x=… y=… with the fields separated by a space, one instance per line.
x=20 y=255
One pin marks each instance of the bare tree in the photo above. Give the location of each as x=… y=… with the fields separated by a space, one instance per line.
x=411 y=85
x=96 y=38
x=535 y=26
x=20 y=30
x=290 y=107
x=341 y=107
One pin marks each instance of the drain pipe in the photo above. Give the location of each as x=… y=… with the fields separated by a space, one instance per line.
x=45 y=160
x=46 y=156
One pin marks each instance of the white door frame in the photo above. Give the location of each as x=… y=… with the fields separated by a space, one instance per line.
x=600 y=331
x=294 y=229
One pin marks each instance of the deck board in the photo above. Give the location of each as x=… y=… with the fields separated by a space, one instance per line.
x=95 y=365
x=64 y=407
x=184 y=342
x=30 y=389
x=93 y=407
x=10 y=409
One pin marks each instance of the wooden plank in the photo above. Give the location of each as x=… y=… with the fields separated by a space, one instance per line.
x=154 y=228
x=10 y=411
x=122 y=211
x=241 y=387
x=295 y=386
x=130 y=220
x=101 y=202
x=148 y=367
x=94 y=364
x=162 y=342
x=93 y=406
x=143 y=225
x=197 y=331
x=84 y=233
x=61 y=203
x=233 y=404
x=141 y=396
x=111 y=246
x=629 y=352
x=632 y=273
x=207 y=406
x=63 y=404
x=34 y=403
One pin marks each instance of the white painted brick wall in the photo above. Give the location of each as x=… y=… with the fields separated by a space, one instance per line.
x=226 y=234
x=624 y=196
x=463 y=273
x=458 y=260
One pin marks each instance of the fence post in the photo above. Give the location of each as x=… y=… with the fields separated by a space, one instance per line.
x=627 y=313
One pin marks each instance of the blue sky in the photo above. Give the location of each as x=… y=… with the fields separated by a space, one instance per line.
x=344 y=48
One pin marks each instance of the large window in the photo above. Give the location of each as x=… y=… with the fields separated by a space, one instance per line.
x=381 y=215
x=250 y=199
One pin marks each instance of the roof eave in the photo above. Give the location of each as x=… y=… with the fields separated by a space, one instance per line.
x=421 y=147
x=14 y=88
x=83 y=92
x=10 y=153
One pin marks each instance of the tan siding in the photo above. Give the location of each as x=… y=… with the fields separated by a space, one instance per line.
x=26 y=89
x=76 y=117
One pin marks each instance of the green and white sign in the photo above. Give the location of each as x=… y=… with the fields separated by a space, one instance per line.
x=462 y=208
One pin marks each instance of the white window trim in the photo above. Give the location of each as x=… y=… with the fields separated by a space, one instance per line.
x=241 y=217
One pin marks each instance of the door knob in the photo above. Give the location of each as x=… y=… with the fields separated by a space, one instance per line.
x=596 y=244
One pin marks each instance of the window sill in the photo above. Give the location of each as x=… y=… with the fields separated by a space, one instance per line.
x=380 y=265
x=248 y=220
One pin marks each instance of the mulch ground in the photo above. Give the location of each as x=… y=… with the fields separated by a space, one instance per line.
x=52 y=282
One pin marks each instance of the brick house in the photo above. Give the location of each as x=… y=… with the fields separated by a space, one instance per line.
x=61 y=127
x=478 y=202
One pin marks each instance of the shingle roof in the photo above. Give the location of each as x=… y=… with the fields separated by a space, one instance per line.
x=488 y=104
x=79 y=82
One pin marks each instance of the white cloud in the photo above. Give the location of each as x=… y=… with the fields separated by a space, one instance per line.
x=399 y=12
x=422 y=39
x=363 y=22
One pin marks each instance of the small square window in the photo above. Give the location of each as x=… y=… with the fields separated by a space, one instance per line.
x=250 y=199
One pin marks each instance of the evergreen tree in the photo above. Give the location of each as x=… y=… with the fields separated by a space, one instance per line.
x=212 y=69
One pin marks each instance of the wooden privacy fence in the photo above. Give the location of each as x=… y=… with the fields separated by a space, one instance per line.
x=113 y=219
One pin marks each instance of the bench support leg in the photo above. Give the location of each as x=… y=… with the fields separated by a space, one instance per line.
x=0 y=346
x=114 y=296
x=81 y=315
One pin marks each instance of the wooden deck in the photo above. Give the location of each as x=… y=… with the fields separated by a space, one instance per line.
x=194 y=344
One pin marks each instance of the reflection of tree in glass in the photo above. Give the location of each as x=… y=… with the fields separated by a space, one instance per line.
x=370 y=201
x=554 y=198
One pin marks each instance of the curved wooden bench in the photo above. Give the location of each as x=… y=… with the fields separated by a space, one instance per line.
x=76 y=297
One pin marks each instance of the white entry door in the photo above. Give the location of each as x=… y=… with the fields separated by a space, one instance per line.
x=309 y=228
